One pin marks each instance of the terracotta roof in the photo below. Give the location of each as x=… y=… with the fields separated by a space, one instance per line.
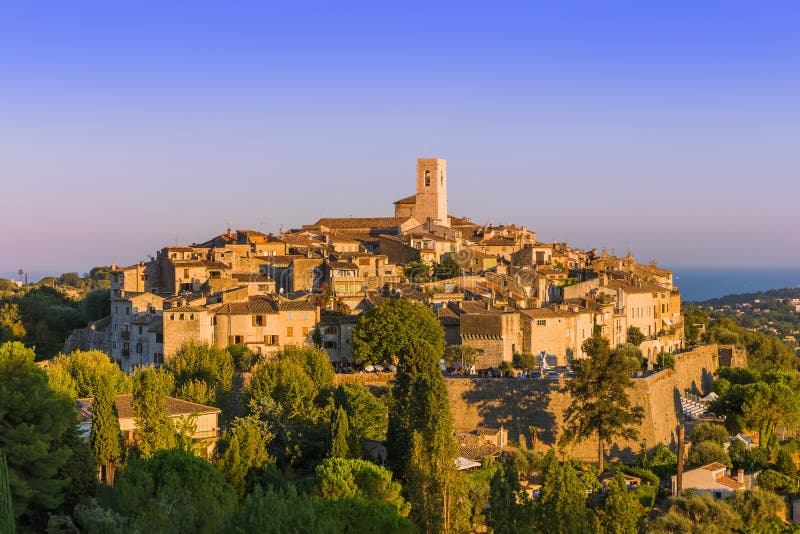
x=264 y=305
x=408 y=200
x=343 y=265
x=716 y=466
x=472 y=446
x=361 y=222
x=279 y=260
x=730 y=482
x=180 y=249
x=185 y=309
x=498 y=241
x=544 y=313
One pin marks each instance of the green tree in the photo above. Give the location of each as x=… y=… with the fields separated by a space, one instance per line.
x=710 y=432
x=621 y=513
x=202 y=362
x=386 y=332
x=561 y=506
x=665 y=360
x=154 y=429
x=243 y=357
x=96 y=304
x=337 y=478
x=80 y=373
x=768 y=405
x=447 y=269
x=771 y=480
x=761 y=511
x=631 y=353
x=707 y=452
x=600 y=404
x=510 y=510
x=367 y=415
x=173 y=491
x=697 y=514
x=105 y=438
x=7 y=523
x=524 y=361
x=242 y=450
x=340 y=435
x=11 y=327
x=635 y=336
x=464 y=355
x=34 y=433
x=273 y=511
x=49 y=317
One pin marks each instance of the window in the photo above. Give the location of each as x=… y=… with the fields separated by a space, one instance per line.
x=258 y=320
x=331 y=330
x=441 y=177
x=140 y=330
x=158 y=358
x=138 y=348
x=305 y=331
x=427 y=178
x=186 y=273
x=330 y=345
x=290 y=331
x=541 y=322
x=159 y=338
x=180 y=317
x=290 y=316
x=270 y=340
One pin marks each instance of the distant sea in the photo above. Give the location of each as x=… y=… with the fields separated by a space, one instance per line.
x=698 y=284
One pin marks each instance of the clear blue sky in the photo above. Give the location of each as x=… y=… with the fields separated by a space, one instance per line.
x=672 y=127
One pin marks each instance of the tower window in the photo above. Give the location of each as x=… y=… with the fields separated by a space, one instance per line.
x=441 y=178
x=427 y=178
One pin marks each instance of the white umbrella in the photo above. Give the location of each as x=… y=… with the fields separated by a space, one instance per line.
x=392 y=368
x=369 y=368
x=378 y=367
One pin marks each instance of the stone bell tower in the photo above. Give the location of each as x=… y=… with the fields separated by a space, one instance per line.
x=431 y=199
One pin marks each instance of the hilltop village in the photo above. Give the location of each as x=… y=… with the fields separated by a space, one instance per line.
x=495 y=288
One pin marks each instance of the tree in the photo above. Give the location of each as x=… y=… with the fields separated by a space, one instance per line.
x=202 y=362
x=7 y=523
x=631 y=353
x=464 y=355
x=367 y=415
x=510 y=510
x=173 y=491
x=761 y=511
x=80 y=373
x=710 y=432
x=420 y=361
x=337 y=478
x=96 y=304
x=621 y=513
x=525 y=361
x=665 y=360
x=243 y=449
x=243 y=357
x=105 y=438
x=34 y=426
x=11 y=327
x=697 y=514
x=386 y=331
x=449 y=268
x=561 y=506
x=778 y=482
x=340 y=435
x=635 y=336
x=600 y=405
x=154 y=429
x=707 y=452
x=768 y=405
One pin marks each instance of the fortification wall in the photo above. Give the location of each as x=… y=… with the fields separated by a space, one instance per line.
x=518 y=404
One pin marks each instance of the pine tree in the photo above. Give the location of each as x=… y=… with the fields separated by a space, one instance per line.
x=154 y=430
x=6 y=507
x=600 y=403
x=106 y=439
x=340 y=435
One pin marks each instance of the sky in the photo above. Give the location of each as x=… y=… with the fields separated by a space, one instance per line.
x=670 y=128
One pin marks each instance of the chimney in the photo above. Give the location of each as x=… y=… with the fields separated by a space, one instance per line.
x=740 y=476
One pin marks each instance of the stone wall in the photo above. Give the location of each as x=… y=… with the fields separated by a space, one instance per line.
x=518 y=404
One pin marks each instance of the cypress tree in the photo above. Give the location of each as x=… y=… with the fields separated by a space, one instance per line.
x=106 y=439
x=6 y=508
x=154 y=430
x=340 y=435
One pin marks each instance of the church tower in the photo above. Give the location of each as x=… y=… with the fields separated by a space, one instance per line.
x=431 y=199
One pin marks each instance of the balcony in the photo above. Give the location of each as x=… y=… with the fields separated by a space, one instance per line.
x=126 y=335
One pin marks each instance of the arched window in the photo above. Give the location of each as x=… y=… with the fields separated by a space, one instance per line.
x=441 y=178
x=427 y=178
